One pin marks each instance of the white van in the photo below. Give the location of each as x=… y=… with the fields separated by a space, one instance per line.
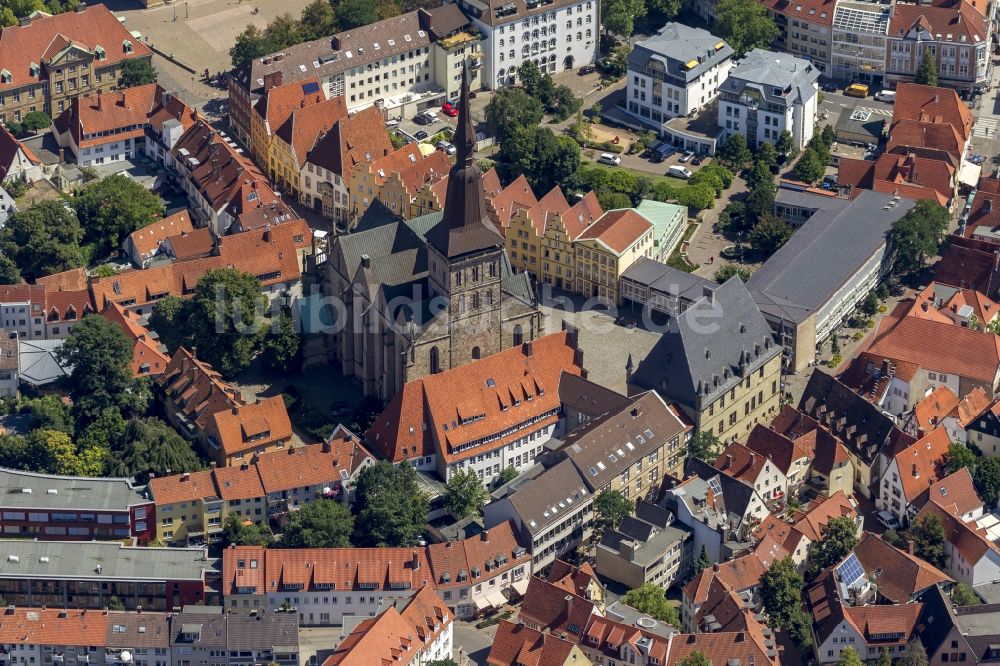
x=608 y=158
x=886 y=96
x=677 y=171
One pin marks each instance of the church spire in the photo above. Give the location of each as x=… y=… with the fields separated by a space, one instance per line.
x=465 y=226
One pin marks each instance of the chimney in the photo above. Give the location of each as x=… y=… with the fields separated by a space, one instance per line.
x=729 y=461
x=62 y=156
x=416 y=560
x=271 y=80
x=709 y=294
x=626 y=549
x=988 y=205
x=82 y=6
x=99 y=98
x=326 y=445
x=753 y=459
x=185 y=476
x=569 y=605
x=910 y=547
x=485 y=536
x=366 y=261
x=526 y=348
x=25 y=21
x=923 y=306
x=715 y=567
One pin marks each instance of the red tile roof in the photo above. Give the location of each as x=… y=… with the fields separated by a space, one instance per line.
x=722 y=648
x=307 y=124
x=395 y=636
x=783 y=533
x=955 y=493
x=486 y=555
x=739 y=574
x=517 y=645
x=243 y=428
x=575 y=579
x=75 y=279
x=931 y=104
x=938 y=347
x=934 y=407
x=906 y=175
x=741 y=463
x=617 y=230
x=812 y=522
x=490 y=395
x=53 y=626
x=238 y=483
x=782 y=451
x=516 y=195
x=187 y=487
x=581 y=215
x=970 y=541
x=960 y=22
x=277 y=103
x=549 y=607
x=875 y=622
x=818 y=12
x=147 y=239
x=358 y=138
x=922 y=463
x=196 y=388
x=149 y=356
x=46 y=37
x=313 y=464
x=903 y=575
x=608 y=637
x=969 y=263
x=9 y=147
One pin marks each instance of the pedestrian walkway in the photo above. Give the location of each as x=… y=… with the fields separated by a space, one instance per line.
x=985 y=127
x=879 y=112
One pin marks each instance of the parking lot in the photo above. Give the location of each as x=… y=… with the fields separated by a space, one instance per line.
x=411 y=129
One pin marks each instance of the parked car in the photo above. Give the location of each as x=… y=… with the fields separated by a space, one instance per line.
x=449 y=110
x=686 y=157
x=856 y=90
x=678 y=171
x=888 y=520
x=698 y=159
x=586 y=69
x=448 y=148
x=420 y=136
x=831 y=86
x=888 y=96
x=608 y=158
x=392 y=123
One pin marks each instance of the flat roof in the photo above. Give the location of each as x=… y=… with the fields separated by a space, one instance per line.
x=80 y=559
x=48 y=491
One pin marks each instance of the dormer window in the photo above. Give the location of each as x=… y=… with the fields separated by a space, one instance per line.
x=34 y=69
x=126 y=46
x=5 y=76
x=101 y=53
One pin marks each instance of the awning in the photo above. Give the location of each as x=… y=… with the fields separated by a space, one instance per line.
x=496 y=598
x=968 y=174
x=521 y=586
x=482 y=603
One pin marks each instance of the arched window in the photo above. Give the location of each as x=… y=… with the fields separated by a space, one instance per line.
x=511 y=54
x=518 y=335
x=489 y=298
x=502 y=72
x=475 y=354
x=435 y=361
x=493 y=265
x=588 y=32
x=461 y=303
x=534 y=34
x=552 y=44
x=475 y=301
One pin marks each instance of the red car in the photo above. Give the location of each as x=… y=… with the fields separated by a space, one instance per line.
x=449 y=110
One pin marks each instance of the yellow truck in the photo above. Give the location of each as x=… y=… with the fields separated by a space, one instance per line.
x=856 y=90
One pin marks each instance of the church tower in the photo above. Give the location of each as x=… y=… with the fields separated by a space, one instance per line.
x=464 y=254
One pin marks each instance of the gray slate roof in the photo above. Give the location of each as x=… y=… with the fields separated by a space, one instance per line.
x=782 y=78
x=534 y=500
x=80 y=559
x=37 y=362
x=587 y=397
x=677 y=44
x=821 y=256
x=234 y=631
x=709 y=348
x=667 y=279
x=138 y=630
x=736 y=495
x=71 y=492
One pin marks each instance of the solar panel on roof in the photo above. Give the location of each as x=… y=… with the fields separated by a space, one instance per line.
x=310 y=88
x=713 y=483
x=851 y=571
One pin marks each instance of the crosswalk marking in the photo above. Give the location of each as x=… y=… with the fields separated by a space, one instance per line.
x=985 y=127
x=880 y=112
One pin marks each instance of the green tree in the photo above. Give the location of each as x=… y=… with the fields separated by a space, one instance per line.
x=733 y=217
x=136 y=72
x=929 y=537
x=50 y=413
x=840 y=536
x=810 y=167
x=767 y=154
x=352 y=14
x=697 y=197
x=14 y=452
x=770 y=233
x=250 y=45
x=507 y=474
x=321 y=523
x=745 y=24
x=958 y=457
x=35 y=121
x=701 y=562
x=650 y=599
x=9 y=272
x=281 y=348
x=884 y=658
x=545 y=159
x=169 y=318
x=51 y=452
x=849 y=657
x=786 y=144
x=317 y=20
x=111 y=208
x=893 y=538
x=914 y=654
x=987 y=480
x=509 y=110
x=917 y=235
x=465 y=495
x=151 y=446
x=618 y=16
x=283 y=31
x=870 y=305
x=42 y=239
x=107 y=428
x=530 y=77
x=781 y=594
x=963 y=595
x=759 y=203
x=610 y=508
x=101 y=357
x=734 y=152
x=730 y=270
x=704 y=446
x=696 y=658
x=114 y=604
x=391 y=509
x=235 y=533
x=927 y=73
x=223 y=319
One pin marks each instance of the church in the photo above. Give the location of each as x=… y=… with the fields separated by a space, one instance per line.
x=428 y=294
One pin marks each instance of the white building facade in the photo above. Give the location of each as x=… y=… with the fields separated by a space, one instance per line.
x=767 y=94
x=675 y=73
x=554 y=34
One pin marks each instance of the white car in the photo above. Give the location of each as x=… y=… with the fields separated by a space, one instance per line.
x=888 y=96
x=608 y=158
x=888 y=520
